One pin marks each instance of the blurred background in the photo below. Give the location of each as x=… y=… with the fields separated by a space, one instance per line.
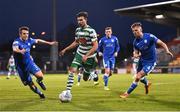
x=56 y=20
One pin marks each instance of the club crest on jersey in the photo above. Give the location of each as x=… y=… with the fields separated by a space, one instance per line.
x=112 y=40
x=145 y=41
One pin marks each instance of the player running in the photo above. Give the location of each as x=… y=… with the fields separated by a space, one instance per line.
x=24 y=62
x=108 y=48
x=145 y=48
x=86 y=40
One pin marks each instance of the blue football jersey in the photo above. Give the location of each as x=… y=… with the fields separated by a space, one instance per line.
x=23 y=59
x=147 y=47
x=108 y=46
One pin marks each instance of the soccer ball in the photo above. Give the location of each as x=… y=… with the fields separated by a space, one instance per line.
x=65 y=96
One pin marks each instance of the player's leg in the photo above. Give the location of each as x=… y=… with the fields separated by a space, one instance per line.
x=89 y=70
x=106 y=64
x=147 y=68
x=112 y=66
x=15 y=72
x=80 y=74
x=27 y=80
x=70 y=81
x=36 y=71
x=9 y=73
x=134 y=84
x=96 y=78
x=134 y=66
x=33 y=87
x=76 y=63
x=86 y=74
x=89 y=74
x=39 y=80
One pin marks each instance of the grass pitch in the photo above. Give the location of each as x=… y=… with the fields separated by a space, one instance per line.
x=164 y=95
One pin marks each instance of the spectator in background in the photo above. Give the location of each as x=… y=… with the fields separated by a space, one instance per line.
x=11 y=67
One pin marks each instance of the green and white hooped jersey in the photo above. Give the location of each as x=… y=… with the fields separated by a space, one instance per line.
x=85 y=37
x=135 y=60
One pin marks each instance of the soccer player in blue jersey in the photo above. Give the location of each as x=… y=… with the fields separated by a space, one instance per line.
x=145 y=48
x=108 y=48
x=24 y=62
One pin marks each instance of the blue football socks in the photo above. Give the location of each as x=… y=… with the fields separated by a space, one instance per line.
x=105 y=80
x=132 y=87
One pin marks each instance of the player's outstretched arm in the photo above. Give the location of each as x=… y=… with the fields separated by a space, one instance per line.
x=71 y=46
x=46 y=42
x=161 y=43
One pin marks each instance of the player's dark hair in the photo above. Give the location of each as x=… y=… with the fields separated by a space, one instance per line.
x=108 y=28
x=82 y=14
x=23 y=28
x=136 y=24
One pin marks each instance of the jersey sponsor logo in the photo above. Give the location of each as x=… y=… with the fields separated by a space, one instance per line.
x=82 y=40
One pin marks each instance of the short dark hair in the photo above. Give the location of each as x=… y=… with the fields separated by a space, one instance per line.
x=136 y=24
x=23 y=28
x=84 y=14
x=108 y=28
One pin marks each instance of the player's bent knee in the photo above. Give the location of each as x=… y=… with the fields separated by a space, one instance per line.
x=39 y=74
x=72 y=70
x=85 y=76
x=137 y=78
x=107 y=71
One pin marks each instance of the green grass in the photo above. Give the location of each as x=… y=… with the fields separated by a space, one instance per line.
x=164 y=95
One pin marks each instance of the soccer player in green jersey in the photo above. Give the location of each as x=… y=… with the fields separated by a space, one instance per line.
x=86 y=40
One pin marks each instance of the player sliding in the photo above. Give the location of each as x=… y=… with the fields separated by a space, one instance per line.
x=145 y=48
x=24 y=62
x=86 y=40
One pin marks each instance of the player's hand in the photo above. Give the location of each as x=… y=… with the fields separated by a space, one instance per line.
x=168 y=52
x=100 y=53
x=53 y=43
x=84 y=58
x=22 y=51
x=115 y=54
x=61 y=53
